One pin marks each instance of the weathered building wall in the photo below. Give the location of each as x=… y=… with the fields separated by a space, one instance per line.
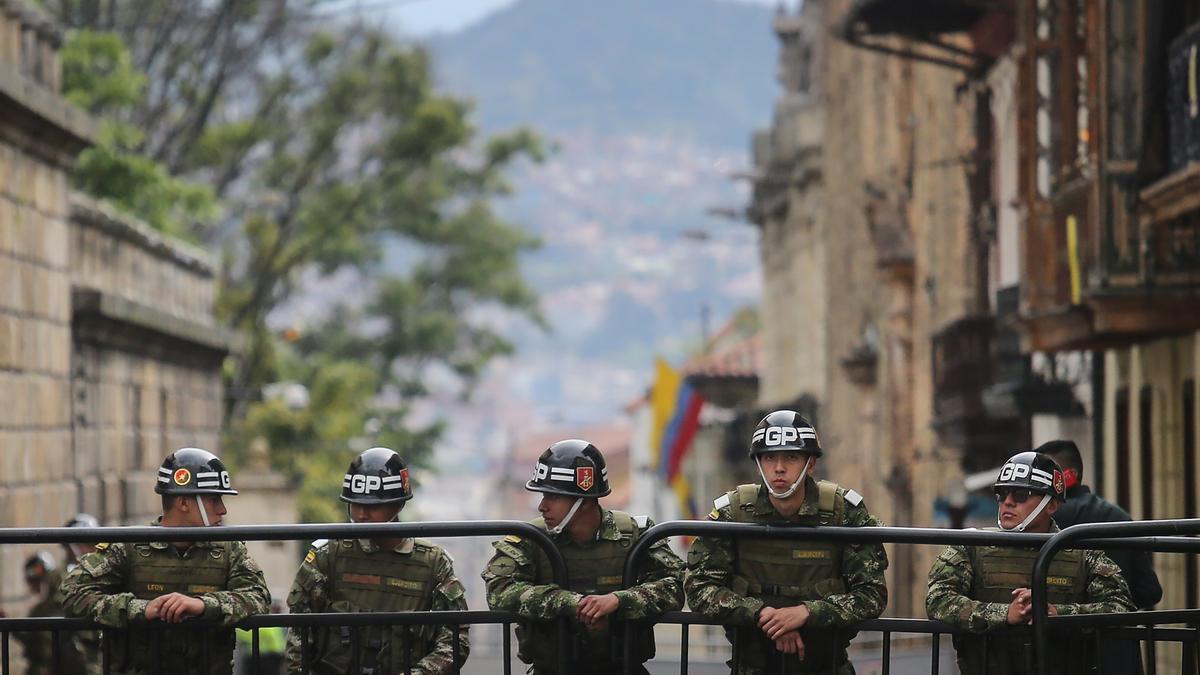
x=39 y=137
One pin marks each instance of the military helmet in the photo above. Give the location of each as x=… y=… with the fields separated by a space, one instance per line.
x=377 y=476
x=37 y=565
x=82 y=520
x=1033 y=471
x=193 y=471
x=785 y=431
x=572 y=468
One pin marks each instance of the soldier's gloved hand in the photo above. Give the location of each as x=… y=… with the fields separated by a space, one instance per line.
x=775 y=621
x=790 y=643
x=174 y=607
x=1018 y=609
x=593 y=609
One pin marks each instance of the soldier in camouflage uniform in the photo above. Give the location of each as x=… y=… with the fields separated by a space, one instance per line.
x=983 y=588
x=571 y=476
x=79 y=651
x=147 y=588
x=786 y=602
x=378 y=575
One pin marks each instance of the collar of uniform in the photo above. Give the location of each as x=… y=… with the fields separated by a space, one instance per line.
x=157 y=522
x=608 y=526
x=764 y=507
x=405 y=547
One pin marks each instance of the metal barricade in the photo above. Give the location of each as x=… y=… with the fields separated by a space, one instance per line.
x=57 y=625
x=1132 y=535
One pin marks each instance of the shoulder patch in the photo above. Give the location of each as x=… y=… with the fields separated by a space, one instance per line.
x=853 y=497
x=714 y=515
x=102 y=545
x=512 y=538
x=721 y=502
x=311 y=557
x=641 y=521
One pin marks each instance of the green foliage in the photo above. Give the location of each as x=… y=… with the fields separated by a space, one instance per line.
x=99 y=76
x=328 y=151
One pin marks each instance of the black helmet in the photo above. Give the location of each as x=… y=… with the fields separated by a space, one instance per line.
x=572 y=468
x=193 y=471
x=377 y=476
x=37 y=565
x=82 y=520
x=1033 y=471
x=785 y=431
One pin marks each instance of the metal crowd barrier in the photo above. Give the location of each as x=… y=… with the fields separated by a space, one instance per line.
x=1131 y=535
x=1143 y=535
x=57 y=535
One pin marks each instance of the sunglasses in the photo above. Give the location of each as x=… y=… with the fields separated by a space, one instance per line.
x=1019 y=495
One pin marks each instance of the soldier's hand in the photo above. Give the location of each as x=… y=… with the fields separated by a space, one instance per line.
x=1018 y=609
x=593 y=608
x=790 y=643
x=775 y=621
x=174 y=607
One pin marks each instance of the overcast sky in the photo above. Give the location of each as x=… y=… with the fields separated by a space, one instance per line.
x=425 y=17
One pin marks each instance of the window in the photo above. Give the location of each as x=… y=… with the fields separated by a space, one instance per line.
x=1146 y=450
x=1192 y=583
x=1121 y=415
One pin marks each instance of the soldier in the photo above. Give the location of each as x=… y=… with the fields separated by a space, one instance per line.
x=147 y=588
x=779 y=598
x=378 y=575
x=83 y=653
x=594 y=541
x=981 y=588
x=42 y=578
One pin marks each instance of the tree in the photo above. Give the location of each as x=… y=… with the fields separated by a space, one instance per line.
x=328 y=150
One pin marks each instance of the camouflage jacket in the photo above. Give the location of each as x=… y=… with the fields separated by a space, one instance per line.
x=952 y=577
x=515 y=584
x=80 y=650
x=711 y=564
x=97 y=588
x=518 y=579
x=310 y=594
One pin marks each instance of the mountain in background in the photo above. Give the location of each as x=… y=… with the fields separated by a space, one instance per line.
x=697 y=70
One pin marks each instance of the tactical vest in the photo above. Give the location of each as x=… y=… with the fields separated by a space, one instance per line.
x=382 y=581
x=996 y=571
x=151 y=572
x=593 y=569
x=785 y=573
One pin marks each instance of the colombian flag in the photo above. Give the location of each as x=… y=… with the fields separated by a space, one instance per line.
x=676 y=414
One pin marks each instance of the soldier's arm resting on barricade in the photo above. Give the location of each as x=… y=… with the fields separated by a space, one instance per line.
x=659 y=588
x=92 y=589
x=512 y=585
x=449 y=595
x=307 y=595
x=1107 y=591
x=948 y=597
x=706 y=583
x=863 y=567
x=246 y=593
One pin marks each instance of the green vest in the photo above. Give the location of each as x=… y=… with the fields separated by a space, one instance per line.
x=596 y=568
x=996 y=571
x=377 y=581
x=151 y=572
x=785 y=573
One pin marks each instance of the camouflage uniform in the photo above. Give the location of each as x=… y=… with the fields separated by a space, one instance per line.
x=113 y=585
x=970 y=588
x=79 y=651
x=519 y=579
x=846 y=580
x=363 y=585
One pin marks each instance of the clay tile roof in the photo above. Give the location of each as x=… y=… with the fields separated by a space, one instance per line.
x=742 y=358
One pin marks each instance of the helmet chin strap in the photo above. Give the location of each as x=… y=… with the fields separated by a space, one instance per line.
x=790 y=491
x=203 y=512
x=557 y=529
x=1028 y=519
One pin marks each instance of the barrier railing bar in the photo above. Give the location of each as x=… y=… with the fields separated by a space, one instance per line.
x=1084 y=535
x=4 y=650
x=937 y=653
x=887 y=652
x=1151 y=665
x=254 y=655
x=506 y=649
